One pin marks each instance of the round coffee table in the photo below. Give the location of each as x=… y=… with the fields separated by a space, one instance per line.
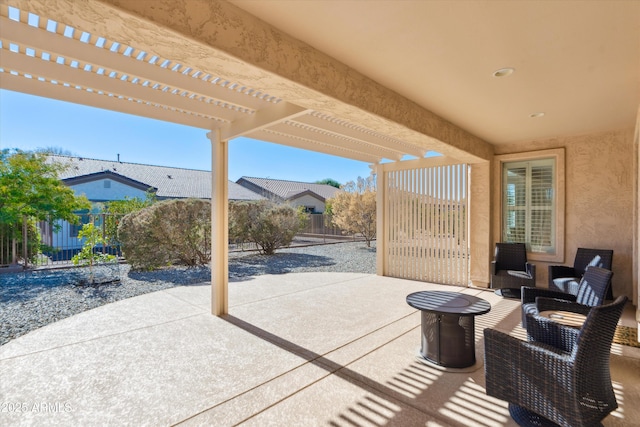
x=448 y=326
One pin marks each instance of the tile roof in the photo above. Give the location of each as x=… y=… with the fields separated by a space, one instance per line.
x=286 y=190
x=170 y=182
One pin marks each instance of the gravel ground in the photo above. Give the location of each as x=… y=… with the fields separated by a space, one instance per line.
x=34 y=299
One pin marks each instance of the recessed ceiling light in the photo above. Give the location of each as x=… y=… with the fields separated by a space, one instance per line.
x=503 y=72
x=536 y=115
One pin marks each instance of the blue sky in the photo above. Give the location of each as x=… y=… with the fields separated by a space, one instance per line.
x=29 y=122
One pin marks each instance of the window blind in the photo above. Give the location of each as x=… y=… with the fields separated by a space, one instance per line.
x=529 y=204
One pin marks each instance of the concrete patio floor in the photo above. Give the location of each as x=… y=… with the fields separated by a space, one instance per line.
x=336 y=349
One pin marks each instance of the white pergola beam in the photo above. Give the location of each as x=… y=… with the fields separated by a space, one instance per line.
x=361 y=134
x=102 y=83
x=262 y=119
x=113 y=103
x=313 y=145
x=59 y=45
x=332 y=139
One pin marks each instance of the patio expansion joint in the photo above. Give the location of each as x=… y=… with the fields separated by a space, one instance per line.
x=183 y=300
x=319 y=360
x=298 y=291
x=31 y=353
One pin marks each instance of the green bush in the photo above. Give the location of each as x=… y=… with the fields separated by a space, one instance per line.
x=239 y=221
x=268 y=225
x=88 y=256
x=166 y=233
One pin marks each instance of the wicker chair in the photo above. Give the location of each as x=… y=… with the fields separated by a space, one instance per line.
x=591 y=291
x=566 y=279
x=510 y=268
x=561 y=375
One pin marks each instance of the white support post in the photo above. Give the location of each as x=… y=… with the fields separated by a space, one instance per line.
x=219 y=225
x=381 y=219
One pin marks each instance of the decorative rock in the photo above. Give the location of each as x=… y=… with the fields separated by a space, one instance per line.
x=30 y=300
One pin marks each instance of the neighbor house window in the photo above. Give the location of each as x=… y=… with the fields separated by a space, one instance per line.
x=532 y=196
x=74 y=229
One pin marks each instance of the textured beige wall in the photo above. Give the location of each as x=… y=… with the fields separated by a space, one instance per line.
x=636 y=232
x=599 y=210
x=480 y=224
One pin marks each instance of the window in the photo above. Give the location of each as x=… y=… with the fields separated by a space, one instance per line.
x=529 y=204
x=532 y=202
x=74 y=229
x=107 y=183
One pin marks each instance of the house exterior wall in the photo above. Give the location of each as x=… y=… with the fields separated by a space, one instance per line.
x=636 y=231
x=600 y=172
x=308 y=201
x=480 y=224
x=96 y=191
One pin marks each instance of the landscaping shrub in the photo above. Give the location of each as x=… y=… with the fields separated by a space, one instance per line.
x=166 y=233
x=240 y=222
x=354 y=209
x=273 y=226
x=90 y=256
x=265 y=223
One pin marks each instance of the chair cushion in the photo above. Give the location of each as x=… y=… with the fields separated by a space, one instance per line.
x=519 y=274
x=595 y=262
x=569 y=285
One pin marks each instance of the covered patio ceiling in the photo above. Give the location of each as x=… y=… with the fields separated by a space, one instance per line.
x=47 y=57
x=368 y=83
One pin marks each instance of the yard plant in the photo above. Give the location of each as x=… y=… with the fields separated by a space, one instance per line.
x=170 y=232
x=265 y=223
x=354 y=209
x=88 y=255
x=31 y=191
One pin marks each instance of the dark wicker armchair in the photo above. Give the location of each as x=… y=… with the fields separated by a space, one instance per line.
x=510 y=268
x=566 y=279
x=561 y=375
x=591 y=291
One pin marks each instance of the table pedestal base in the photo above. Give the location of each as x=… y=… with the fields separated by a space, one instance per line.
x=420 y=358
x=448 y=340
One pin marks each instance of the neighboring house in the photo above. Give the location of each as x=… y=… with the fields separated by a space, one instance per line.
x=311 y=196
x=104 y=180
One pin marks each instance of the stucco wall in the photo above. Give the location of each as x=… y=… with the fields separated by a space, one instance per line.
x=599 y=208
x=309 y=201
x=480 y=224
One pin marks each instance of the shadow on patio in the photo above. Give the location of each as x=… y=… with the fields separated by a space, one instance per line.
x=335 y=349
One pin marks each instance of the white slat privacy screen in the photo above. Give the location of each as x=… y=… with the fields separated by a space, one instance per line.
x=426 y=230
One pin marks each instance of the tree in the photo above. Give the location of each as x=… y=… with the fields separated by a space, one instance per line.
x=30 y=187
x=354 y=209
x=59 y=151
x=329 y=181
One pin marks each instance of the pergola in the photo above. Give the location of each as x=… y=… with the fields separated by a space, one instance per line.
x=214 y=66
x=96 y=54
